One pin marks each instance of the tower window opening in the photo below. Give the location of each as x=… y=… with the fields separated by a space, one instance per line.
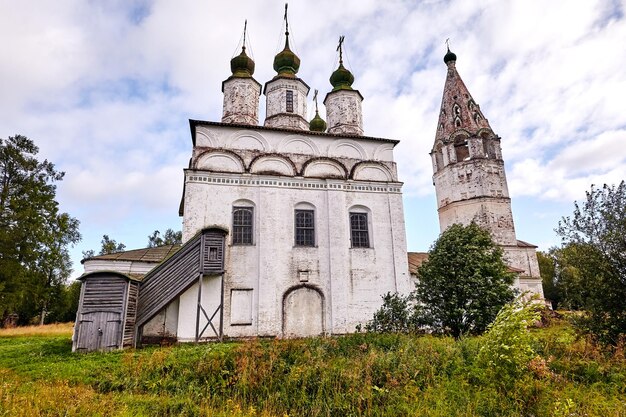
x=462 y=152
x=289 y=101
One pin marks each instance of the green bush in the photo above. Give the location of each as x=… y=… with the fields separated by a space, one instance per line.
x=508 y=346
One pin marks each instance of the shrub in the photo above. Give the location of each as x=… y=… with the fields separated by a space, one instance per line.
x=508 y=346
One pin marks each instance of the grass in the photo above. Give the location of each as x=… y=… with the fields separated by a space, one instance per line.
x=355 y=375
x=57 y=329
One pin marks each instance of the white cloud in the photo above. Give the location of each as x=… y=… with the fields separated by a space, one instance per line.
x=105 y=88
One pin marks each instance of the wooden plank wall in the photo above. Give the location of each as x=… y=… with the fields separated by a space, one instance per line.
x=168 y=280
x=131 y=315
x=104 y=293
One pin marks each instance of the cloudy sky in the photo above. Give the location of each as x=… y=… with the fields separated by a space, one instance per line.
x=106 y=88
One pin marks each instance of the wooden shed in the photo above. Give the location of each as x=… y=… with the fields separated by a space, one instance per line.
x=106 y=312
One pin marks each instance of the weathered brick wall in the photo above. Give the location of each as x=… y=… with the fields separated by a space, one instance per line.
x=343 y=111
x=241 y=101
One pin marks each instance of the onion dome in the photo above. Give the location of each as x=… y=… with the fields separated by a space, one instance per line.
x=286 y=63
x=341 y=79
x=317 y=124
x=449 y=57
x=242 y=65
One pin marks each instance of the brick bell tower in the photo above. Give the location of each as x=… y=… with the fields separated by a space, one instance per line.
x=469 y=177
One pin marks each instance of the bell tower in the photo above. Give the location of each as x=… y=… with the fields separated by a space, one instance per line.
x=469 y=177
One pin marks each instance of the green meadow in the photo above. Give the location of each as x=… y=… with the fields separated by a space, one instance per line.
x=355 y=375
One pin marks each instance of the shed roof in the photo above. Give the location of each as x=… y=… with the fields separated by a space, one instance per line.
x=154 y=255
x=522 y=244
x=415 y=260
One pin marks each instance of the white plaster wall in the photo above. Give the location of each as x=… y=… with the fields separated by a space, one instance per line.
x=187 y=309
x=343 y=110
x=351 y=281
x=241 y=101
x=125 y=267
x=164 y=324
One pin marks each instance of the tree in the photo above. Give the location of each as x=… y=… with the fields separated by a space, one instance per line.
x=395 y=316
x=597 y=234
x=547 y=270
x=110 y=246
x=107 y=246
x=34 y=234
x=562 y=281
x=464 y=282
x=170 y=237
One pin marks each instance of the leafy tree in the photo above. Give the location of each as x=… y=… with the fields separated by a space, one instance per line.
x=395 y=316
x=65 y=308
x=464 y=282
x=107 y=246
x=562 y=281
x=34 y=234
x=597 y=235
x=170 y=237
x=110 y=246
x=547 y=270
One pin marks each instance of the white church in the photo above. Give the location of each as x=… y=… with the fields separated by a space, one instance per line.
x=292 y=227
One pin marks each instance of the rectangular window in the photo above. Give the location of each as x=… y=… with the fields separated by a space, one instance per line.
x=305 y=228
x=358 y=230
x=242 y=225
x=289 y=101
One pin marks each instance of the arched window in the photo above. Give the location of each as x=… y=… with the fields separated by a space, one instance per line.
x=360 y=227
x=304 y=224
x=243 y=225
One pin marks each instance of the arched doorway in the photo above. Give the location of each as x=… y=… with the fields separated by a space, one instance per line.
x=303 y=312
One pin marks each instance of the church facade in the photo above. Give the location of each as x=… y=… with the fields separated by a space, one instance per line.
x=294 y=227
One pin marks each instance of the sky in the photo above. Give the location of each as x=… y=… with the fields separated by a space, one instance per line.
x=106 y=89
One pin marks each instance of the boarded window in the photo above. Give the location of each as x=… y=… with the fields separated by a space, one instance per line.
x=241 y=307
x=359 y=232
x=242 y=225
x=289 y=101
x=305 y=227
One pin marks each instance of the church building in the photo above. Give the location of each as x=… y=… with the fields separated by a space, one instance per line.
x=294 y=227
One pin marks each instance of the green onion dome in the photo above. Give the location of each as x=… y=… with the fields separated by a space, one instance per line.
x=341 y=79
x=317 y=124
x=242 y=65
x=286 y=63
x=449 y=56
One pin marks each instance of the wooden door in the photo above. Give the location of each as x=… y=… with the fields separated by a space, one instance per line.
x=99 y=330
